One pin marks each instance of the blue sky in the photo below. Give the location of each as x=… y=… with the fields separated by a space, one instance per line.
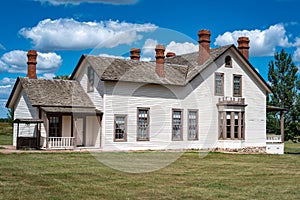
x=62 y=30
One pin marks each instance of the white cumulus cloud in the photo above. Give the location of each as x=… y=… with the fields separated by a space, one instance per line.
x=113 y=56
x=6 y=85
x=148 y=50
x=3 y=66
x=296 y=55
x=77 y=2
x=69 y=34
x=262 y=42
x=16 y=62
x=181 y=48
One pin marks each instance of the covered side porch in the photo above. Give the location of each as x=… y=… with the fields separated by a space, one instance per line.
x=69 y=127
x=275 y=138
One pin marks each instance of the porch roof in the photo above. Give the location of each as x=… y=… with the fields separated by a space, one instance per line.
x=28 y=121
x=274 y=108
x=69 y=110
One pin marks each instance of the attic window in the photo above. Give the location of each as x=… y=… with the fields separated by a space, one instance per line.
x=228 y=61
x=90 y=81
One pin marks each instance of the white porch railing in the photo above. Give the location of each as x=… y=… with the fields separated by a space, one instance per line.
x=274 y=138
x=61 y=142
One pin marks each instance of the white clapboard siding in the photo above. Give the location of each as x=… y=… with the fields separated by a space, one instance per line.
x=92 y=131
x=24 y=110
x=124 y=98
x=97 y=94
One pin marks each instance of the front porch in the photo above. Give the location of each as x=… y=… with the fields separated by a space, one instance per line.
x=60 y=143
x=70 y=127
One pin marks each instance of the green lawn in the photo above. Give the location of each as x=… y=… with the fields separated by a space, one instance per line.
x=291 y=147
x=6 y=137
x=216 y=176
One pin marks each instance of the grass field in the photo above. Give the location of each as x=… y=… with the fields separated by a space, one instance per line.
x=216 y=176
x=5 y=134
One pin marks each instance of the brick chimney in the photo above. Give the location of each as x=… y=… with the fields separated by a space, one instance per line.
x=160 y=60
x=204 y=46
x=170 y=54
x=31 y=70
x=244 y=46
x=135 y=54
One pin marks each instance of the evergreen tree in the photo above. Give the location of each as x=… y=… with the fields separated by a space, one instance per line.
x=284 y=79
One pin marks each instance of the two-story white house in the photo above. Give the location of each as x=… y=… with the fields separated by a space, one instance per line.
x=213 y=98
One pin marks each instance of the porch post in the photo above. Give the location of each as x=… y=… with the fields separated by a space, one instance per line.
x=17 y=139
x=224 y=125
x=232 y=125
x=240 y=126
x=47 y=132
x=282 y=126
x=75 y=133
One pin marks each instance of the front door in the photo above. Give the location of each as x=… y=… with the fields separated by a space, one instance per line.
x=79 y=131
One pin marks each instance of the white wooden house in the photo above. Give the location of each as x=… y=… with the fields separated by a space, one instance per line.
x=213 y=98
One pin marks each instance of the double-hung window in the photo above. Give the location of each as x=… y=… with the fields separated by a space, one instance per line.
x=176 y=124
x=219 y=84
x=192 y=124
x=120 y=134
x=143 y=119
x=237 y=85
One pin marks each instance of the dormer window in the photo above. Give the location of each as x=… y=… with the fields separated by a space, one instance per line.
x=228 y=61
x=90 y=81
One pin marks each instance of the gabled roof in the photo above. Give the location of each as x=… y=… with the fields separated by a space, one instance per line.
x=60 y=93
x=180 y=70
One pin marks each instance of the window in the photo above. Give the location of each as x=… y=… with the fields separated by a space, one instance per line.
x=54 y=126
x=228 y=124
x=192 y=125
x=233 y=126
x=219 y=84
x=177 y=124
x=120 y=128
x=90 y=82
x=228 y=62
x=237 y=85
x=143 y=124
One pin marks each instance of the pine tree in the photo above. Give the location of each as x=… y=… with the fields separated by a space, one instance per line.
x=283 y=79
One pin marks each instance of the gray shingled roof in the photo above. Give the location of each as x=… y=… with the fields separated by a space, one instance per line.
x=179 y=69
x=61 y=93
